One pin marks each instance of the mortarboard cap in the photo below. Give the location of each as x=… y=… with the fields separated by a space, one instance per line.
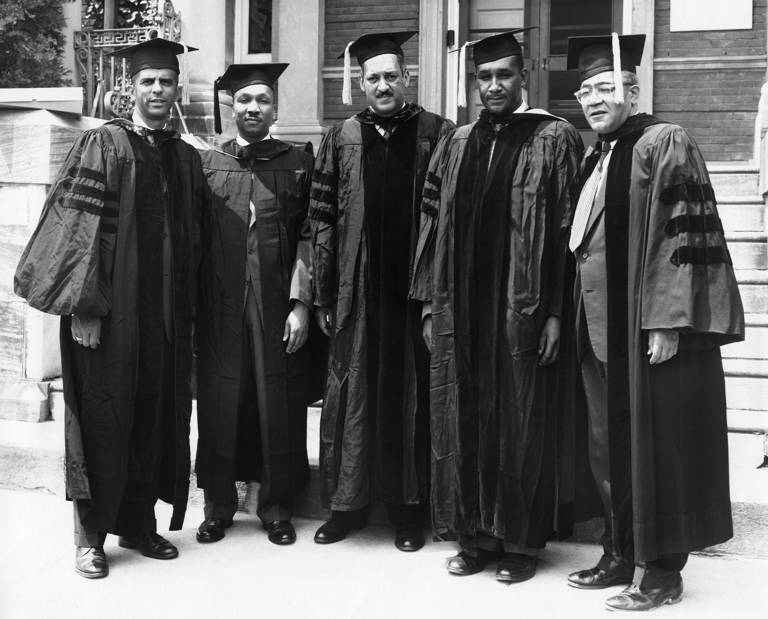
x=153 y=54
x=610 y=52
x=366 y=47
x=239 y=76
x=593 y=55
x=498 y=46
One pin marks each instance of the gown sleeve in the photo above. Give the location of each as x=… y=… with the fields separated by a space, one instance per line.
x=66 y=267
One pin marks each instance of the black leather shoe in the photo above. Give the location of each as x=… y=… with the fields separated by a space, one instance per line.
x=150 y=545
x=516 y=567
x=332 y=531
x=409 y=537
x=597 y=578
x=91 y=562
x=212 y=530
x=281 y=532
x=464 y=564
x=635 y=598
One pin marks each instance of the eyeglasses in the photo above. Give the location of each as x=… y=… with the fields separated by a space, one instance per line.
x=604 y=92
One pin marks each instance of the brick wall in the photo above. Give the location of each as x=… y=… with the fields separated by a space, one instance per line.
x=345 y=20
x=717 y=98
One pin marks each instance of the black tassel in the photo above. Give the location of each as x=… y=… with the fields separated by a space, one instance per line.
x=216 y=112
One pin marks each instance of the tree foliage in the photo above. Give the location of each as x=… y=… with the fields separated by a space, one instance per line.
x=129 y=13
x=32 y=44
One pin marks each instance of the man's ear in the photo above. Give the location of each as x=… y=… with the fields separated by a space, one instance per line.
x=406 y=77
x=523 y=77
x=362 y=80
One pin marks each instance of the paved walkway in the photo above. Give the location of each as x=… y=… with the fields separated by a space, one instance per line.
x=363 y=577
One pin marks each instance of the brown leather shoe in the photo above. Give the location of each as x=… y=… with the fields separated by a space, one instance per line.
x=635 y=598
x=91 y=562
x=150 y=545
x=597 y=578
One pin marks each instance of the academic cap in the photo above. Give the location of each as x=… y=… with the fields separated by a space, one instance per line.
x=498 y=46
x=366 y=47
x=239 y=76
x=610 y=52
x=153 y=54
x=488 y=49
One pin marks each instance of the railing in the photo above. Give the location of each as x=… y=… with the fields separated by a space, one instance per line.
x=106 y=79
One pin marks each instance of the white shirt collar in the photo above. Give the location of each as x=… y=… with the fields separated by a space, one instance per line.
x=522 y=108
x=241 y=141
x=137 y=120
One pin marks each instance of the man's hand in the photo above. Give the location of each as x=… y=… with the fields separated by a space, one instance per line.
x=426 y=330
x=86 y=331
x=323 y=319
x=662 y=345
x=549 y=341
x=296 y=327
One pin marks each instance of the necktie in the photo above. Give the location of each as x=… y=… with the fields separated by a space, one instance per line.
x=587 y=199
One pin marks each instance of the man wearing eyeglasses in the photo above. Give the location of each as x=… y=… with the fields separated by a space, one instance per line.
x=655 y=298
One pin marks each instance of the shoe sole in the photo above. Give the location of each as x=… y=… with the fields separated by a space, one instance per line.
x=603 y=586
x=92 y=575
x=209 y=540
x=512 y=581
x=456 y=572
x=667 y=602
x=409 y=548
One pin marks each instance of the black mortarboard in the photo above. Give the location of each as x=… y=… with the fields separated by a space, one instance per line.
x=498 y=46
x=377 y=43
x=153 y=54
x=593 y=55
x=239 y=76
x=366 y=47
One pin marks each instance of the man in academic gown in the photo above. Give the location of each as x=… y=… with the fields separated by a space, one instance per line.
x=656 y=297
x=254 y=314
x=366 y=192
x=115 y=254
x=490 y=269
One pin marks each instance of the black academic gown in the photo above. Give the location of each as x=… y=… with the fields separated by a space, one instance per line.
x=119 y=239
x=258 y=434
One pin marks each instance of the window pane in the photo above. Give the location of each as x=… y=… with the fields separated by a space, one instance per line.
x=260 y=26
x=570 y=19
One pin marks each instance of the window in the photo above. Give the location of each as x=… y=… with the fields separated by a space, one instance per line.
x=253 y=31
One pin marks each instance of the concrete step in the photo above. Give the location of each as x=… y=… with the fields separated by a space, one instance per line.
x=750 y=368
x=742 y=213
x=734 y=181
x=747 y=392
x=749 y=250
x=755 y=344
x=748 y=421
x=753 y=286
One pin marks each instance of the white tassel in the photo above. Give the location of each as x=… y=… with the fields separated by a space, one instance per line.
x=461 y=96
x=618 y=95
x=346 y=88
x=184 y=75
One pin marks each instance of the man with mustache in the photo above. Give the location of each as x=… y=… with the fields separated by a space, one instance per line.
x=655 y=297
x=115 y=254
x=366 y=192
x=254 y=314
x=490 y=270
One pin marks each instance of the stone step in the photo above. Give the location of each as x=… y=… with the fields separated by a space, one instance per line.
x=749 y=368
x=753 y=286
x=740 y=213
x=731 y=181
x=749 y=250
x=746 y=392
x=748 y=421
x=754 y=346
